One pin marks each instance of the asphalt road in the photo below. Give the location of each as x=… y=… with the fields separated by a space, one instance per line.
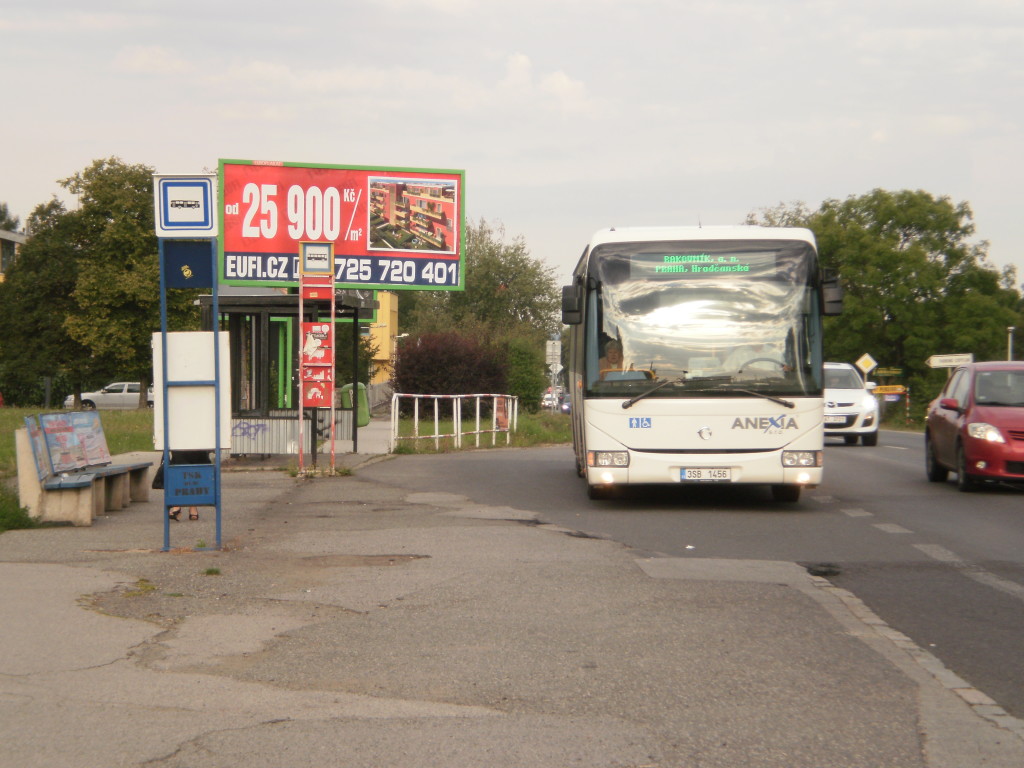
x=943 y=567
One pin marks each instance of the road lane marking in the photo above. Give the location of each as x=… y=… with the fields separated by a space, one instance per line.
x=975 y=572
x=891 y=528
x=935 y=552
x=857 y=512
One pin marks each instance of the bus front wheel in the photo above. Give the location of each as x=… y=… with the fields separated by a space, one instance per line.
x=786 y=492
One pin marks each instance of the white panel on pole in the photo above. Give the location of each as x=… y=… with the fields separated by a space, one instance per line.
x=193 y=409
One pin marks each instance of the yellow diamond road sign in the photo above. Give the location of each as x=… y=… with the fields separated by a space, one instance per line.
x=866 y=363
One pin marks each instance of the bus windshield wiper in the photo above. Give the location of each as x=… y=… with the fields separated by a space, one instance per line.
x=633 y=400
x=773 y=398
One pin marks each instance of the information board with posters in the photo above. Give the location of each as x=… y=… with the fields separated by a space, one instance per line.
x=392 y=228
x=317 y=364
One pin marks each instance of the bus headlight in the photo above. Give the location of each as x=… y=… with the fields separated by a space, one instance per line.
x=607 y=458
x=801 y=458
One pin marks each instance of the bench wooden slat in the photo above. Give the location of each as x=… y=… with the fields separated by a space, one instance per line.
x=78 y=480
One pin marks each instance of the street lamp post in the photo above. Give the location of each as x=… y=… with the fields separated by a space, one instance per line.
x=1009 y=342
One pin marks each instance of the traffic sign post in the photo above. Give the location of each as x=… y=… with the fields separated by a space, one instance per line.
x=186 y=227
x=553 y=357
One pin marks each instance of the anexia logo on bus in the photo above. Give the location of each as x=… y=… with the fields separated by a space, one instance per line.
x=766 y=424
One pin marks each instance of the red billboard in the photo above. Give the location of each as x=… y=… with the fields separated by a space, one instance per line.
x=392 y=228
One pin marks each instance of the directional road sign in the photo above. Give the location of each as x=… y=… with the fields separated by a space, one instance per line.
x=553 y=352
x=950 y=361
x=889 y=389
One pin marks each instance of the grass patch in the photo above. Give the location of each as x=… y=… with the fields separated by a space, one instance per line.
x=12 y=515
x=212 y=572
x=142 y=587
x=543 y=428
x=126 y=431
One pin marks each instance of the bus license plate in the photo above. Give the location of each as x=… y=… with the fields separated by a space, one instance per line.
x=706 y=475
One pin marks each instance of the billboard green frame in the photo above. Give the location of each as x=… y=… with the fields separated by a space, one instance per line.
x=393 y=228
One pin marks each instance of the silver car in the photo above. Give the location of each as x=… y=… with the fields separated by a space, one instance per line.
x=851 y=410
x=119 y=394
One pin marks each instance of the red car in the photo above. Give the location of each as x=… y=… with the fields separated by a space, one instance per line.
x=976 y=426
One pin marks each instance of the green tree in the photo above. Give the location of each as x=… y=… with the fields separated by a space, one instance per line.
x=84 y=299
x=8 y=221
x=117 y=290
x=915 y=282
x=506 y=291
x=511 y=303
x=525 y=371
x=343 y=355
x=35 y=298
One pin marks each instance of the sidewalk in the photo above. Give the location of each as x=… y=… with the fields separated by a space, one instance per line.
x=349 y=623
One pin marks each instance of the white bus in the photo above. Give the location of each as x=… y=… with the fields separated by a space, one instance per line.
x=695 y=356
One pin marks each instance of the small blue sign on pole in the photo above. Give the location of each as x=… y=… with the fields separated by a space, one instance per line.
x=188 y=263
x=190 y=485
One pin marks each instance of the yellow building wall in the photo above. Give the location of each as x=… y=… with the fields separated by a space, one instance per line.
x=383 y=333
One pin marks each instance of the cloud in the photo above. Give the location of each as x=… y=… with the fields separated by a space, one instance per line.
x=571 y=94
x=555 y=89
x=395 y=89
x=518 y=73
x=452 y=7
x=150 y=60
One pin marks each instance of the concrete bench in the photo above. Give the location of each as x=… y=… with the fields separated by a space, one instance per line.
x=78 y=496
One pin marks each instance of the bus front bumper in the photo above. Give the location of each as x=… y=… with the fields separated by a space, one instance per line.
x=794 y=468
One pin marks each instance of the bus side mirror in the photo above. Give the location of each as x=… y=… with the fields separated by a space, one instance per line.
x=572 y=304
x=832 y=294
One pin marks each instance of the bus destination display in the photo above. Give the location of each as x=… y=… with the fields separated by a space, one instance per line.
x=655 y=266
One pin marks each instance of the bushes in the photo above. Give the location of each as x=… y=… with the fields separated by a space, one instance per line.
x=456 y=364
x=448 y=364
x=12 y=515
x=526 y=379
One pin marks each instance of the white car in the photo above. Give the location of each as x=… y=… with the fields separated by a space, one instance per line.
x=119 y=394
x=851 y=410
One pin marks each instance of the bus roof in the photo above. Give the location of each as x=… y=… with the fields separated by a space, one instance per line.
x=747 y=232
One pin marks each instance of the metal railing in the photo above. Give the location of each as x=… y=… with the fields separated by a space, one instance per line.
x=277 y=432
x=504 y=418
x=378 y=395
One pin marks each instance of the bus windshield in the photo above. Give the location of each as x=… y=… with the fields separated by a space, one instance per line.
x=703 y=319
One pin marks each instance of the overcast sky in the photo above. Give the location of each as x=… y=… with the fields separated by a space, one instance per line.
x=567 y=115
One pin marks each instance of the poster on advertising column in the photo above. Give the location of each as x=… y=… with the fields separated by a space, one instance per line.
x=317 y=360
x=391 y=228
